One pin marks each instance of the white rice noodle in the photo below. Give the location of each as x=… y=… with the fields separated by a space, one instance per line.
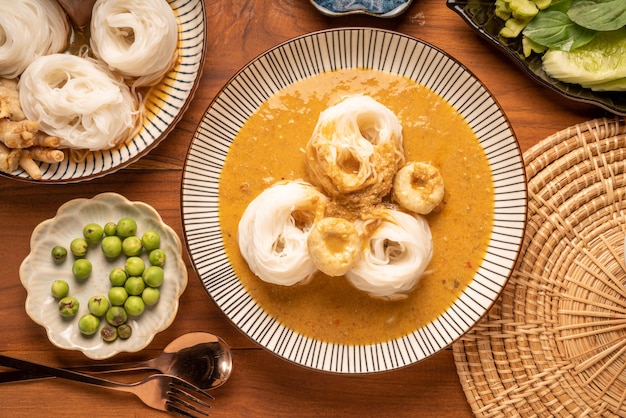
x=395 y=256
x=28 y=30
x=137 y=38
x=273 y=232
x=353 y=142
x=78 y=100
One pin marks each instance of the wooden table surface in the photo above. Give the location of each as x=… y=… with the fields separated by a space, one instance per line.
x=261 y=384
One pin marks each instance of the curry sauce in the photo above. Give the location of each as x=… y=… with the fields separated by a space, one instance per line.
x=271 y=147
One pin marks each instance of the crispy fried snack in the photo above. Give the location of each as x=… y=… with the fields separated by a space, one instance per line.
x=9 y=100
x=43 y=140
x=46 y=155
x=18 y=134
x=22 y=144
x=9 y=158
x=29 y=165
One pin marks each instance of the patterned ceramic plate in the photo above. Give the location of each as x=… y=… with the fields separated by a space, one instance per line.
x=326 y=51
x=163 y=109
x=480 y=16
x=379 y=8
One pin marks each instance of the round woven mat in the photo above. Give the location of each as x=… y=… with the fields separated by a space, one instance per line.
x=554 y=344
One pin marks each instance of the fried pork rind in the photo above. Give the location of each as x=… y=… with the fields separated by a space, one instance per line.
x=13 y=158
x=334 y=244
x=79 y=101
x=354 y=151
x=136 y=38
x=28 y=159
x=21 y=141
x=398 y=248
x=273 y=232
x=10 y=100
x=18 y=134
x=9 y=158
x=29 y=29
x=418 y=187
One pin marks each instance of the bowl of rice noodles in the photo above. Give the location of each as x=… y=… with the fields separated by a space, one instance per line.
x=78 y=110
x=386 y=211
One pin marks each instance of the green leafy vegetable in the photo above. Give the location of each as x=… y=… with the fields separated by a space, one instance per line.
x=581 y=41
x=555 y=30
x=600 y=15
x=599 y=65
x=561 y=5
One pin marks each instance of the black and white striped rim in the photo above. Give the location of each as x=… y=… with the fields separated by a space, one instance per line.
x=306 y=56
x=163 y=110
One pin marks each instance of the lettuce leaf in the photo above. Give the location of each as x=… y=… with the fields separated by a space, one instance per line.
x=599 y=15
x=599 y=65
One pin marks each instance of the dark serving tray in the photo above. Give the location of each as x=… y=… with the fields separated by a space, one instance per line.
x=480 y=16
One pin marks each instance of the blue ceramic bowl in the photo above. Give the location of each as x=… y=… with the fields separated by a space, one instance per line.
x=379 y=8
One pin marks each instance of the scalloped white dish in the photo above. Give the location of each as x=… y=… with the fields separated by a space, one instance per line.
x=300 y=58
x=163 y=108
x=378 y=8
x=38 y=271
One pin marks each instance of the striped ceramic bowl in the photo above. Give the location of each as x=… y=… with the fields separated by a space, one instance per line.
x=303 y=57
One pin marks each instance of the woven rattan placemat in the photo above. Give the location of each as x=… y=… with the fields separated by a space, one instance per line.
x=554 y=344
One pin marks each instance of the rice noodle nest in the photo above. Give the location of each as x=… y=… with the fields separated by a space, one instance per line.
x=355 y=148
x=394 y=257
x=274 y=229
x=29 y=29
x=78 y=100
x=136 y=38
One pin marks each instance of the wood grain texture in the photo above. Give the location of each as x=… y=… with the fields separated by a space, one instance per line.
x=262 y=384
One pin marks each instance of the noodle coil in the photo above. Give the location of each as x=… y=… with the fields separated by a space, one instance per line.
x=356 y=147
x=273 y=232
x=395 y=256
x=78 y=100
x=136 y=38
x=29 y=29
